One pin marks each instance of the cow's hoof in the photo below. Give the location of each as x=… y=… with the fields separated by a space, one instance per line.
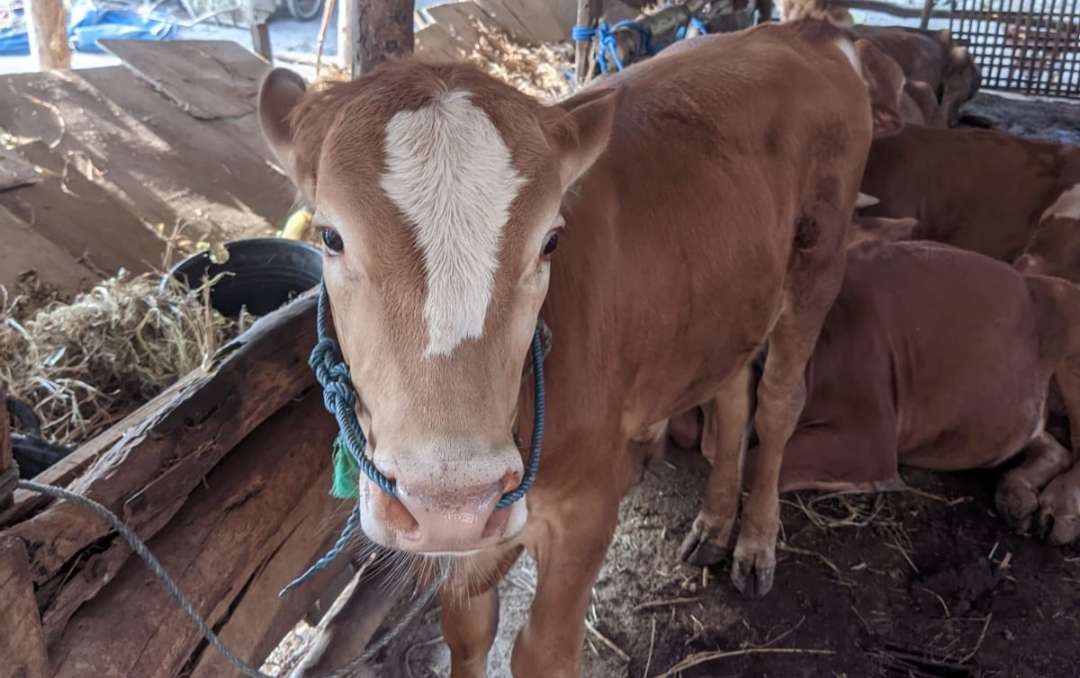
x=706 y=544
x=753 y=568
x=1059 y=511
x=1017 y=502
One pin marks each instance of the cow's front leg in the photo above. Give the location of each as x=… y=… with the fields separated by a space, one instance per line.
x=723 y=442
x=569 y=548
x=1017 y=496
x=470 y=610
x=1059 y=508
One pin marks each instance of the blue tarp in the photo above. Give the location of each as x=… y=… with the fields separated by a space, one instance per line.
x=88 y=25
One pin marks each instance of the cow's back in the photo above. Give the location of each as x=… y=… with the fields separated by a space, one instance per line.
x=717 y=150
x=964 y=375
x=979 y=190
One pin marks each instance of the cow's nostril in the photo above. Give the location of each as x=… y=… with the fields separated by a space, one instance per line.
x=496 y=523
x=510 y=480
x=398 y=517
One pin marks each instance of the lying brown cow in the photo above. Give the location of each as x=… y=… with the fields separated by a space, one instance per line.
x=984 y=191
x=953 y=356
x=701 y=200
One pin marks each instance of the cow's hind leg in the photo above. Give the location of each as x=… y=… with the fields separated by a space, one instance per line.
x=723 y=442
x=470 y=611
x=814 y=277
x=1017 y=496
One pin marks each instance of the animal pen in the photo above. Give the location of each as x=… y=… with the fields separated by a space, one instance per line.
x=226 y=473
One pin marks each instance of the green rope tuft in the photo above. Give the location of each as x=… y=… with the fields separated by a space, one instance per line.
x=346 y=473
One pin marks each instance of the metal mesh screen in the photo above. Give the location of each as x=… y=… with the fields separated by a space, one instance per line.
x=1030 y=46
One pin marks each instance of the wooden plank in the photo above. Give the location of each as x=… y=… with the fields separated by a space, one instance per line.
x=217 y=548
x=220 y=169
x=209 y=79
x=531 y=22
x=22 y=643
x=260 y=620
x=260 y=41
x=459 y=19
x=6 y=458
x=83 y=219
x=434 y=43
x=883 y=7
x=47 y=28
x=25 y=250
x=15 y=172
x=151 y=470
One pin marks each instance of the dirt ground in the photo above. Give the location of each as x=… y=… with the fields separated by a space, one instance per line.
x=904 y=584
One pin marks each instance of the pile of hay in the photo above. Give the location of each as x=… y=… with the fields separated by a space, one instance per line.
x=83 y=365
x=537 y=71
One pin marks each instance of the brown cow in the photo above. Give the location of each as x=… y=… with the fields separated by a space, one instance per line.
x=929 y=57
x=702 y=197
x=985 y=191
x=955 y=353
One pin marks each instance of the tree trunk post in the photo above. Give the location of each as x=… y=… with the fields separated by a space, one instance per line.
x=371 y=31
x=588 y=14
x=928 y=8
x=47 y=27
x=6 y=460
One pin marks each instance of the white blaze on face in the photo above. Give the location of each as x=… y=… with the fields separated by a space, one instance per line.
x=1067 y=206
x=450 y=173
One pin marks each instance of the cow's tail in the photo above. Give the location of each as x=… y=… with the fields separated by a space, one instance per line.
x=1057 y=314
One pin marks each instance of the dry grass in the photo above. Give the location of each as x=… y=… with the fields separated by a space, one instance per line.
x=82 y=365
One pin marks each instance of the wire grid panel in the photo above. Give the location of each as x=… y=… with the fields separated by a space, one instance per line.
x=1030 y=46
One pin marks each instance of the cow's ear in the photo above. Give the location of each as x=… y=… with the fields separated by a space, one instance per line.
x=885 y=83
x=280 y=92
x=881 y=229
x=580 y=133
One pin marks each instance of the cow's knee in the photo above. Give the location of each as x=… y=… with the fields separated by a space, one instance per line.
x=1059 y=508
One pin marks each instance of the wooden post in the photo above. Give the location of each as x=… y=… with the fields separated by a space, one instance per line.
x=588 y=13
x=370 y=31
x=6 y=461
x=47 y=27
x=22 y=642
x=260 y=41
x=924 y=20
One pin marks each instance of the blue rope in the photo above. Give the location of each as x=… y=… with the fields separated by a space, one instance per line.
x=605 y=36
x=339 y=397
x=698 y=25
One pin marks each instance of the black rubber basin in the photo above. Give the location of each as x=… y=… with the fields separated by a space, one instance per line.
x=261 y=274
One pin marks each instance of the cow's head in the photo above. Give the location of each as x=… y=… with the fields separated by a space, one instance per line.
x=437 y=193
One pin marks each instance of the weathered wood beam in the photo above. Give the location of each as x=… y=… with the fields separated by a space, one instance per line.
x=222 y=548
x=889 y=8
x=7 y=461
x=352 y=621
x=260 y=41
x=47 y=28
x=22 y=643
x=147 y=475
x=372 y=31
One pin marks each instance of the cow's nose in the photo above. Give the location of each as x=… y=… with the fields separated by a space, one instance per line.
x=441 y=519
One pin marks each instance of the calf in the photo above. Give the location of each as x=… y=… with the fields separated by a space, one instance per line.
x=933 y=58
x=984 y=191
x=955 y=354
x=699 y=201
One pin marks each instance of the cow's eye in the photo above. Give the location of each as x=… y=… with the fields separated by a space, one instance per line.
x=332 y=239
x=551 y=243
